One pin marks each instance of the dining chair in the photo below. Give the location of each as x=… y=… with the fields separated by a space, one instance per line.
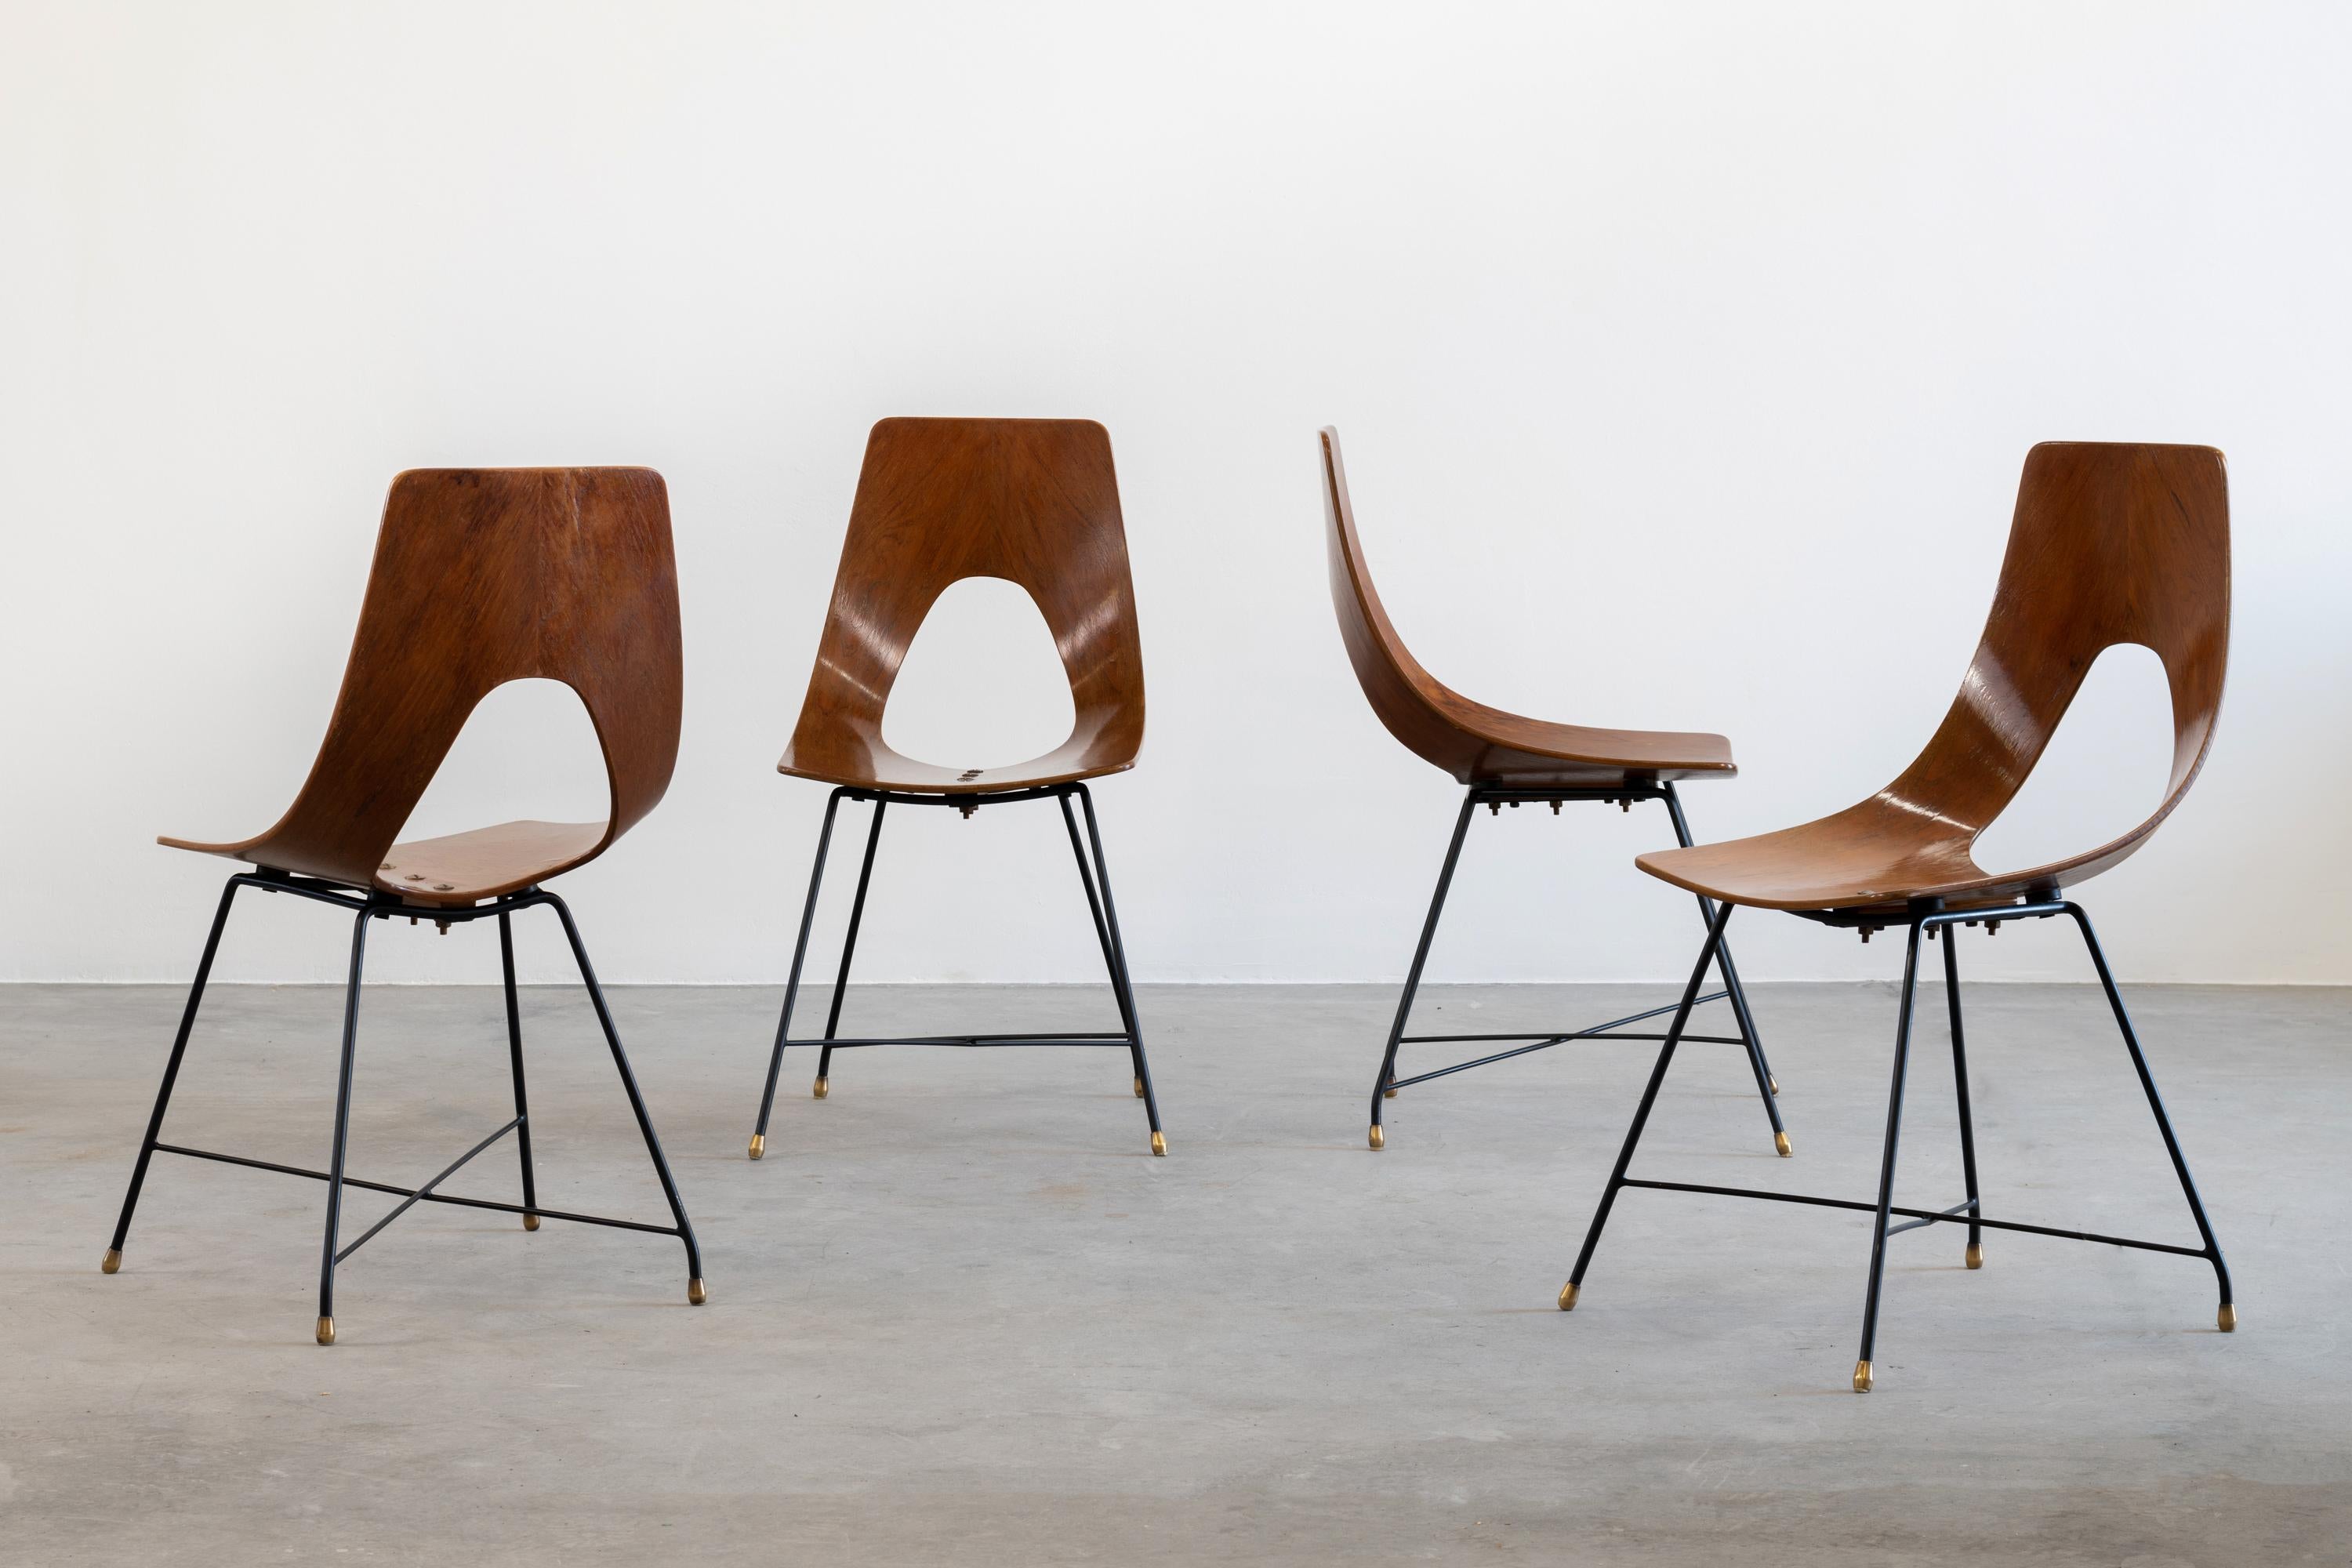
x=482 y=577
x=1035 y=502
x=2111 y=543
x=1504 y=760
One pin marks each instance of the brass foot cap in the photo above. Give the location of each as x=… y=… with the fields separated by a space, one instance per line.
x=1568 y=1294
x=1974 y=1256
x=113 y=1260
x=695 y=1294
x=326 y=1330
x=530 y=1222
x=1774 y=1082
x=759 y=1144
x=1862 y=1377
x=1780 y=1141
x=2226 y=1320
x=819 y=1091
x=1380 y=1139
x=1160 y=1143
x=1389 y=1095
x=1139 y=1088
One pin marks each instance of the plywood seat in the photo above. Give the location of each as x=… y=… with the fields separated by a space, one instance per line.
x=870 y=764
x=1877 y=854
x=1505 y=749
x=461 y=867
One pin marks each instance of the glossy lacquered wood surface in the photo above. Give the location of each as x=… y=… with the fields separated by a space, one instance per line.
x=1034 y=502
x=2111 y=543
x=483 y=577
x=1475 y=743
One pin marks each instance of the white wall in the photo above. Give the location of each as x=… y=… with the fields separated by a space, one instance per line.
x=1686 y=361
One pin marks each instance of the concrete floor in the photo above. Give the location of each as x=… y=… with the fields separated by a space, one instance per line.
x=960 y=1315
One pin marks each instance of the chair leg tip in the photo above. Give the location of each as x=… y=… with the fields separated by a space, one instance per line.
x=695 y=1293
x=1862 y=1378
x=1773 y=1082
x=326 y=1330
x=1389 y=1095
x=2226 y=1320
x=1159 y=1144
x=1780 y=1141
x=1568 y=1294
x=759 y=1144
x=530 y=1222
x=1139 y=1088
x=819 y=1090
x=113 y=1260
x=1379 y=1140
x=1974 y=1256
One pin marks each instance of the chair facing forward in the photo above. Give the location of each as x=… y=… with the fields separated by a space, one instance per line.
x=2111 y=544
x=1505 y=760
x=1034 y=502
x=481 y=577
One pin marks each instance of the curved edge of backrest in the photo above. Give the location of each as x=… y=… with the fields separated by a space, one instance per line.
x=1033 y=502
x=1401 y=693
x=2111 y=544
x=626 y=656
x=482 y=576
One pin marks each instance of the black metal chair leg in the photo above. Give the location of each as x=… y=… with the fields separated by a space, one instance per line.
x=1419 y=958
x=848 y=948
x=1706 y=952
x=171 y=1076
x=1862 y=1377
x=514 y=1053
x=1102 y=937
x=695 y=1290
x=342 y=1130
x=2226 y=1319
x=793 y=984
x=1122 y=986
x=1767 y=1085
x=1949 y=935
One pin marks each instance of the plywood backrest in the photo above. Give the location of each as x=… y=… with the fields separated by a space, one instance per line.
x=1034 y=502
x=483 y=577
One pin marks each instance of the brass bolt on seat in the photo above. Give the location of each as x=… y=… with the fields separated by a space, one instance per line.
x=818 y=1092
x=2226 y=1320
x=1568 y=1294
x=113 y=1260
x=1380 y=1139
x=759 y=1144
x=1974 y=1256
x=1159 y=1144
x=326 y=1330
x=1780 y=1141
x=1862 y=1377
x=695 y=1293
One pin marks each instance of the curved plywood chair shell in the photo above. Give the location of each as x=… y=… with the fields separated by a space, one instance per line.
x=1034 y=502
x=483 y=577
x=2111 y=543
x=1475 y=743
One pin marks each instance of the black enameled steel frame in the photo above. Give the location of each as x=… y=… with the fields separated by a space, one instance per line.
x=1495 y=797
x=372 y=905
x=1925 y=920
x=1096 y=882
